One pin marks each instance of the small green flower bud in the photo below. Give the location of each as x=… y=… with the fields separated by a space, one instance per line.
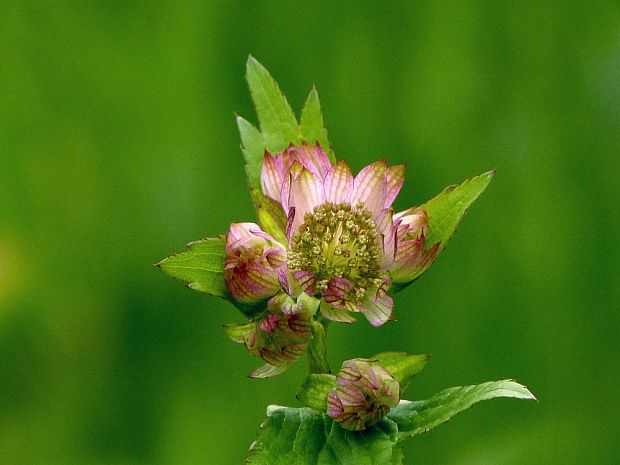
x=364 y=394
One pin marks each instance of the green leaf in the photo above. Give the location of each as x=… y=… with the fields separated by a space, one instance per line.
x=446 y=210
x=312 y=125
x=253 y=149
x=314 y=390
x=303 y=436
x=268 y=371
x=270 y=225
x=414 y=418
x=202 y=266
x=402 y=366
x=270 y=215
x=237 y=331
x=278 y=125
x=277 y=121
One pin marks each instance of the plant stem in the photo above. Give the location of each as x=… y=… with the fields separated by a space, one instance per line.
x=317 y=350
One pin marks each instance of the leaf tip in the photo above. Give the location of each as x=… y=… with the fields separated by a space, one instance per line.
x=527 y=395
x=253 y=65
x=271 y=409
x=531 y=394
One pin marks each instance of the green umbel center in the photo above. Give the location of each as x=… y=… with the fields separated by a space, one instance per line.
x=338 y=240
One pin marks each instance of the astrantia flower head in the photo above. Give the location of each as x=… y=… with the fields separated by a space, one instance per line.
x=364 y=394
x=328 y=245
x=342 y=236
x=340 y=249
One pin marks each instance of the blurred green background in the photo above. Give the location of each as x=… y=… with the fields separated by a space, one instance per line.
x=118 y=145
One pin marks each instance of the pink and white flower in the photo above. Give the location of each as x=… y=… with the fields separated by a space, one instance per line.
x=345 y=245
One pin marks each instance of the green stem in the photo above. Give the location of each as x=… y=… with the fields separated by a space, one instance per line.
x=317 y=350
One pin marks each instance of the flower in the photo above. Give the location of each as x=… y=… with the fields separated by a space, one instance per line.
x=253 y=260
x=344 y=244
x=364 y=394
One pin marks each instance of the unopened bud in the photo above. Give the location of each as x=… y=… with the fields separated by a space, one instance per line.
x=253 y=259
x=364 y=394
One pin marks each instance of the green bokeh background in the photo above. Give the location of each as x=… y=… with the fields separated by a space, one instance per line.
x=118 y=145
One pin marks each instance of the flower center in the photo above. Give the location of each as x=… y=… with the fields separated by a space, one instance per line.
x=338 y=240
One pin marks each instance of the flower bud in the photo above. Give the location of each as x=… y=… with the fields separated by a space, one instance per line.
x=253 y=259
x=279 y=338
x=412 y=258
x=364 y=394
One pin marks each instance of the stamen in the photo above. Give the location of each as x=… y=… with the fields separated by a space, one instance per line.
x=337 y=240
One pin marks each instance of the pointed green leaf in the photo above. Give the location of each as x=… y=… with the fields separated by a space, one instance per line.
x=402 y=366
x=270 y=225
x=278 y=125
x=314 y=390
x=268 y=370
x=312 y=125
x=277 y=120
x=414 y=418
x=253 y=149
x=303 y=436
x=446 y=210
x=202 y=266
x=237 y=331
x=270 y=216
